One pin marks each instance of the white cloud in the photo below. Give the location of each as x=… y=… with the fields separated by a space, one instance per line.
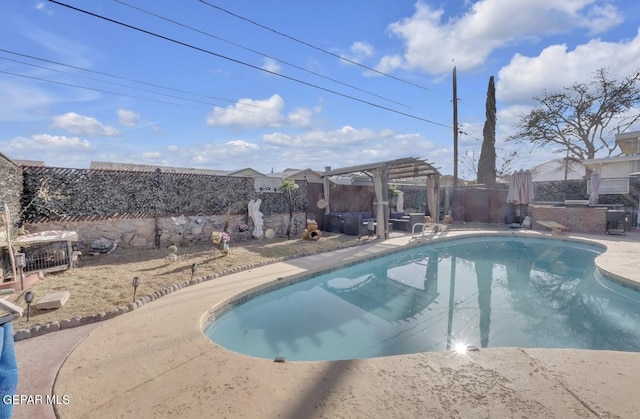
x=349 y=155
x=240 y=146
x=151 y=155
x=432 y=44
x=601 y=18
x=346 y=146
x=362 y=49
x=359 y=51
x=344 y=136
x=272 y=65
x=83 y=125
x=128 y=118
x=231 y=155
x=250 y=113
x=556 y=67
x=48 y=142
x=300 y=117
x=41 y=6
x=54 y=150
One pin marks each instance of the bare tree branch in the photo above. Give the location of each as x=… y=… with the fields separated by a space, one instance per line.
x=582 y=118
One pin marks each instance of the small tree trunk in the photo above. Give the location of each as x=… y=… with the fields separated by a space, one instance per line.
x=290 y=216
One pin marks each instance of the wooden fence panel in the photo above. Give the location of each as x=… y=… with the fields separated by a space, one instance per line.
x=479 y=204
x=314 y=194
x=345 y=198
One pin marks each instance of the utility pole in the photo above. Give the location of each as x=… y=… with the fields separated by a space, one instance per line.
x=455 y=129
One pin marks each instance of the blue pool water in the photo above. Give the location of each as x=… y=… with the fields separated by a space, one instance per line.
x=484 y=292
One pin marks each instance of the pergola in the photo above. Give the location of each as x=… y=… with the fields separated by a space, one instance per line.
x=383 y=172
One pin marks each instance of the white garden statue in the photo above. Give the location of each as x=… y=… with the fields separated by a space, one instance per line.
x=400 y=202
x=256 y=216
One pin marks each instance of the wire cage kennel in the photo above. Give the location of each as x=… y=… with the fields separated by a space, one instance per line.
x=47 y=251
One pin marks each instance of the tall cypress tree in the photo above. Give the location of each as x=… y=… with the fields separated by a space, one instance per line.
x=487 y=162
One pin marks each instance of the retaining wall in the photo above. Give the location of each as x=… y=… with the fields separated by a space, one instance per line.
x=590 y=220
x=141 y=232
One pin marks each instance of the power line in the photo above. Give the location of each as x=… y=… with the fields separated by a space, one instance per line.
x=119 y=84
x=124 y=78
x=93 y=89
x=382 y=73
x=175 y=41
x=108 y=82
x=113 y=75
x=261 y=53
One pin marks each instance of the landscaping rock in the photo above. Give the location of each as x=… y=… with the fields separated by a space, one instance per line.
x=22 y=334
x=69 y=323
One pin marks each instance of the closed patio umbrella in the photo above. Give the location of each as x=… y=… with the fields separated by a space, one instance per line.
x=526 y=194
x=513 y=195
x=595 y=187
x=520 y=188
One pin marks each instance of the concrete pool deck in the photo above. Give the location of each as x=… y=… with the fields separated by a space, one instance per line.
x=156 y=362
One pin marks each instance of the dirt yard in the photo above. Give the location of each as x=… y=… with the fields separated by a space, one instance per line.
x=105 y=281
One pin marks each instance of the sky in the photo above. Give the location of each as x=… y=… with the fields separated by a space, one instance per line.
x=271 y=85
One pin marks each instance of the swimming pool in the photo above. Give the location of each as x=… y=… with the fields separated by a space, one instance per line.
x=482 y=291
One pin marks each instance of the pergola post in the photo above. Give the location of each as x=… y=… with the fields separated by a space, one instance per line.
x=378 y=181
x=385 y=205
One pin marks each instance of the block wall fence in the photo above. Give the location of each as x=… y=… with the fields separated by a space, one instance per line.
x=132 y=206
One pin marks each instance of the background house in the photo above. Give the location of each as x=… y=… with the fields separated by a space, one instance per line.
x=615 y=171
x=557 y=169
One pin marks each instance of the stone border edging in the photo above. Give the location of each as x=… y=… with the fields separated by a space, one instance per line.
x=39 y=330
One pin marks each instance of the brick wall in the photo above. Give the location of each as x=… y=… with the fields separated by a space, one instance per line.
x=577 y=219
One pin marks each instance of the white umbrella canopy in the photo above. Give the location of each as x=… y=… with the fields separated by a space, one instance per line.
x=595 y=186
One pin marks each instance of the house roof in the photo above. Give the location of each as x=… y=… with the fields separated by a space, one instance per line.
x=31 y=163
x=247 y=171
x=134 y=167
x=594 y=163
x=557 y=169
x=294 y=172
x=14 y=162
